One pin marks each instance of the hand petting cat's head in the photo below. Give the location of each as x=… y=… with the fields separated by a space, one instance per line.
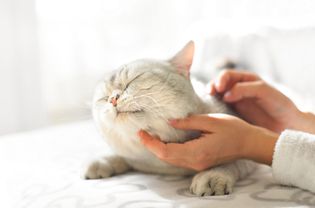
x=145 y=93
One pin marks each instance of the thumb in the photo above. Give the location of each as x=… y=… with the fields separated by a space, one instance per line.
x=239 y=91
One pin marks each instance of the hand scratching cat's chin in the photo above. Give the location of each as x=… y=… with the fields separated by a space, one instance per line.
x=144 y=94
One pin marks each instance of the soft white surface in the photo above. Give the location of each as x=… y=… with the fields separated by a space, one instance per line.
x=42 y=169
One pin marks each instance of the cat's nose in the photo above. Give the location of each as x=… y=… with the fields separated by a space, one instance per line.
x=113 y=100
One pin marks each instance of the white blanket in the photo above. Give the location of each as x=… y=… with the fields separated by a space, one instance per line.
x=42 y=169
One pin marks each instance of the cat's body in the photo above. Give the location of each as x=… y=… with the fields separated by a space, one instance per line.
x=144 y=95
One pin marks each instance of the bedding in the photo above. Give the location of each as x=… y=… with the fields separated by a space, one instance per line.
x=42 y=169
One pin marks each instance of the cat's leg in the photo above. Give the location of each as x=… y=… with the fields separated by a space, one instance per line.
x=105 y=167
x=220 y=180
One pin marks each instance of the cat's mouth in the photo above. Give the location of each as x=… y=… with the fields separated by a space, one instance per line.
x=129 y=112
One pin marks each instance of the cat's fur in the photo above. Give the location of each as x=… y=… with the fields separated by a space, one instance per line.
x=149 y=93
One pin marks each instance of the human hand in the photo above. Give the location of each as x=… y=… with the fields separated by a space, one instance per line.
x=224 y=138
x=255 y=100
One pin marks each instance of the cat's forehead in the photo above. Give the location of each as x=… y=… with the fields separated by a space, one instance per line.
x=145 y=69
x=130 y=70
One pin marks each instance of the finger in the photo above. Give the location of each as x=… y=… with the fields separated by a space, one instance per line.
x=228 y=78
x=164 y=151
x=204 y=123
x=153 y=144
x=212 y=88
x=188 y=153
x=239 y=91
x=181 y=155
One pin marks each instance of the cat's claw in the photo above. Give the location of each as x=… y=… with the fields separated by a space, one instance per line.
x=210 y=183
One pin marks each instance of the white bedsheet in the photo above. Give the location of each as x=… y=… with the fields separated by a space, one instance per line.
x=42 y=169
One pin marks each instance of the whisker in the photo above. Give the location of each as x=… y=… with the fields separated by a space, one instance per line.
x=160 y=114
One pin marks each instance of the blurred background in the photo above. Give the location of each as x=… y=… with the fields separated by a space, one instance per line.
x=53 y=52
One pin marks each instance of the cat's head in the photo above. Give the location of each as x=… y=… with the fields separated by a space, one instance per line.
x=144 y=94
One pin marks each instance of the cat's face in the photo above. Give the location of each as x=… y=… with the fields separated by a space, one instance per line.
x=145 y=91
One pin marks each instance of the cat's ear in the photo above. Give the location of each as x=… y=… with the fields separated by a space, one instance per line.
x=183 y=59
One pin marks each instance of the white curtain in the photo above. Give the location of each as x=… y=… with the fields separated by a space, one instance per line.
x=21 y=104
x=52 y=52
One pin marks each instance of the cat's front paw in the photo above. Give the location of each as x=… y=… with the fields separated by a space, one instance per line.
x=211 y=182
x=98 y=169
x=105 y=167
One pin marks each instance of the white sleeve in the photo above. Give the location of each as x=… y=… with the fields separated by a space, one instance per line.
x=294 y=160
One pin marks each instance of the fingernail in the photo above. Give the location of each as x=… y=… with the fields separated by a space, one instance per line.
x=172 y=121
x=227 y=96
x=140 y=132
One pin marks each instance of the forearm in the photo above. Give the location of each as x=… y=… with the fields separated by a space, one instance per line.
x=291 y=155
x=259 y=146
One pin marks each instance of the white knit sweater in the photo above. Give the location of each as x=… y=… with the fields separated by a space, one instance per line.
x=294 y=160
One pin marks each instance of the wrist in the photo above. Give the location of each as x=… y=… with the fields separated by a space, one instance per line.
x=259 y=145
x=304 y=121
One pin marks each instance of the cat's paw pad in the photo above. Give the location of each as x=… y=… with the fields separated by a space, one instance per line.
x=98 y=169
x=211 y=183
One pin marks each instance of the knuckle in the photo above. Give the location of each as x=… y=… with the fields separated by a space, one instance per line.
x=249 y=74
x=255 y=76
x=236 y=88
x=225 y=73
x=262 y=85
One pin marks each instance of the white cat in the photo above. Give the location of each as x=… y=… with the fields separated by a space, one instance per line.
x=144 y=94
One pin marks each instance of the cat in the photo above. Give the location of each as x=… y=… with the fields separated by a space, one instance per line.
x=144 y=94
